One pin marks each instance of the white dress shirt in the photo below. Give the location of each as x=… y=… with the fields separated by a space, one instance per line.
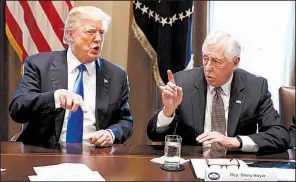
x=89 y=88
x=248 y=145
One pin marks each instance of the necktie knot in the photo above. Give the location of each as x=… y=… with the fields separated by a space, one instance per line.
x=81 y=68
x=218 y=90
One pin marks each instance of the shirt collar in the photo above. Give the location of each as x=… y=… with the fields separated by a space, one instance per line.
x=226 y=87
x=73 y=63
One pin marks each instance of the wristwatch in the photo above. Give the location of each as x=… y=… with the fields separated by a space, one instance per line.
x=240 y=142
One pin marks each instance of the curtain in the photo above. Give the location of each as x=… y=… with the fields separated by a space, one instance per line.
x=265 y=30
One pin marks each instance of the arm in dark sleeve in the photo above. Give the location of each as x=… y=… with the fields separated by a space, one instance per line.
x=292 y=132
x=28 y=101
x=178 y=126
x=154 y=134
x=122 y=130
x=273 y=136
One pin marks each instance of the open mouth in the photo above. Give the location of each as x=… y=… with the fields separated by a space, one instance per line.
x=95 y=49
x=209 y=77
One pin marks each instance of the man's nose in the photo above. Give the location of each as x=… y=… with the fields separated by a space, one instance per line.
x=208 y=66
x=98 y=37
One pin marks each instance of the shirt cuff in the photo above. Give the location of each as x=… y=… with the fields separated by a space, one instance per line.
x=248 y=144
x=57 y=95
x=163 y=122
x=112 y=135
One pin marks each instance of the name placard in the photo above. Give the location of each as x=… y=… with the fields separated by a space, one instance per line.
x=243 y=174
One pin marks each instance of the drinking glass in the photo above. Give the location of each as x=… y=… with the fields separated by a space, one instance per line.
x=172 y=151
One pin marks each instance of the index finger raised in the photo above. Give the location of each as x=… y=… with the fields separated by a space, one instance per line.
x=170 y=76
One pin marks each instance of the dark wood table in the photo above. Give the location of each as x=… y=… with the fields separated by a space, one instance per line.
x=117 y=163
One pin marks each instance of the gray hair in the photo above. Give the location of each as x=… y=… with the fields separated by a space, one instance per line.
x=231 y=45
x=84 y=12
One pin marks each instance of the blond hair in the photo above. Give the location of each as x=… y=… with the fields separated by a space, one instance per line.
x=84 y=12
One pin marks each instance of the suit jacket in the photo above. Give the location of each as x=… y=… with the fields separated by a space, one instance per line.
x=33 y=103
x=250 y=104
x=292 y=131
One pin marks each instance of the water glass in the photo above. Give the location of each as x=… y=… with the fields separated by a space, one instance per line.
x=172 y=151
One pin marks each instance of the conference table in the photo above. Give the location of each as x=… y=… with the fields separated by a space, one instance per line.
x=121 y=162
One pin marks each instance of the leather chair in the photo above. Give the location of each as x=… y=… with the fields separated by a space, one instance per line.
x=287 y=104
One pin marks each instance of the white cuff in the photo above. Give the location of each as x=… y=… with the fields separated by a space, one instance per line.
x=163 y=122
x=248 y=144
x=57 y=95
x=112 y=135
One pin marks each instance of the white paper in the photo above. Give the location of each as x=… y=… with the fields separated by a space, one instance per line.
x=283 y=174
x=65 y=172
x=2 y=169
x=246 y=174
x=200 y=165
x=94 y=176
x=65 y=169
x=160 y=160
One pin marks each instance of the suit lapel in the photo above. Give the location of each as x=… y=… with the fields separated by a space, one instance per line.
x=59 y=80
x=102 y=93
x=198 y=99
x=237 y=98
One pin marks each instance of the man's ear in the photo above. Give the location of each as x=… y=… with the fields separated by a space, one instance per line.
x=69 y=35
x=235 y=61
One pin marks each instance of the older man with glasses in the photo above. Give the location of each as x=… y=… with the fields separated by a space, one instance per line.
x=74 y=95
x=220 y=104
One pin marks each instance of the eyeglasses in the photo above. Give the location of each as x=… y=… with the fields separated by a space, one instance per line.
x=235 y=165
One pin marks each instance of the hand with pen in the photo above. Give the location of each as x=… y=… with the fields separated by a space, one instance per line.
x=171 y=96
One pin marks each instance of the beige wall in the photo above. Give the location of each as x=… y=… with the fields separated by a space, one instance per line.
x=116 y=41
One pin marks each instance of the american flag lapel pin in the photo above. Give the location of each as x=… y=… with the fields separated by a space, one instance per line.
x=238 y=101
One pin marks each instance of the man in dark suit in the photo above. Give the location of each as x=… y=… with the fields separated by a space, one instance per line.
x=45 y=97
x=219 y=103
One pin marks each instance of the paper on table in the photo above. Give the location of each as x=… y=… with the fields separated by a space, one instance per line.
x=94 y=176
x=200 y=165
x=283 y=174
x=60 y=170
x=160 y=160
